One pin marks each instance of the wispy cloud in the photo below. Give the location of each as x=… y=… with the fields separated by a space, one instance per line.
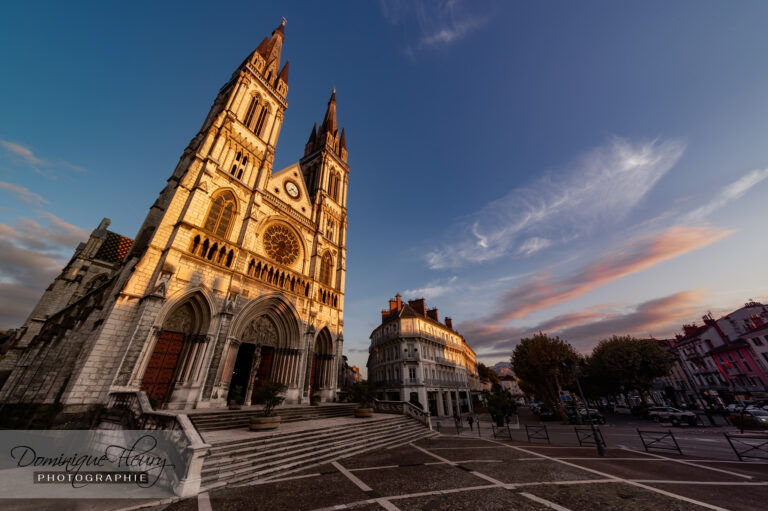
x=544 y=290
x=23 y=194
x=32 y=253
x=25 y=155
x=439 y=23
x=659 y=317
x=22 y=152
x=730 y=193
x=595 y=190
x=433 y=289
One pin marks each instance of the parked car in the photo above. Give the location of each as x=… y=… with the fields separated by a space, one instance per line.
x=735 y=408
x=593 y=416
x=673 y=415
x=545 y=414
x=754 y=418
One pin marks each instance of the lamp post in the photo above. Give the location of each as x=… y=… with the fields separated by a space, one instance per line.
x=598 y=440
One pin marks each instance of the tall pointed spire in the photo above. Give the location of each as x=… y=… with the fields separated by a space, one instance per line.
x=329 y=122
x=343 y=140
x=313 y=135
x=271 y=51
x=284 y=73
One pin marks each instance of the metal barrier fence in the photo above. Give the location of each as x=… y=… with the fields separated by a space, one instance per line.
x=660 y=440
x=588 y=436
x=748 y=446
x=536 y=433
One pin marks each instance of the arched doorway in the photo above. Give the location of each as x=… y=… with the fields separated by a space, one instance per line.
x=176 y=350
x=322 y=362
x=265 y=347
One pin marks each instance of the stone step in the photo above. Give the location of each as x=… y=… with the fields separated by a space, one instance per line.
x=228 y=420
x=262 y=443
x=292 y=460
x=262 y=457
x=295 y=466
x=302 y=464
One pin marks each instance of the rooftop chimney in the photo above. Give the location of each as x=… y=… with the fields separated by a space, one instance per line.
x=432 y=314
x=419 y=306
x=449 y=322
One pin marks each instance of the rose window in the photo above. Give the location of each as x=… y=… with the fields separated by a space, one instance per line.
x=281 y=244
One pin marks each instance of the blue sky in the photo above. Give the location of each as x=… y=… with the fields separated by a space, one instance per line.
x=583 y=168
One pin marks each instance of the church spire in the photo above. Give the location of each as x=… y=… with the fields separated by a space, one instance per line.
x=329 y=122
x=342 y=141
x=271 y=51
x=284 y=73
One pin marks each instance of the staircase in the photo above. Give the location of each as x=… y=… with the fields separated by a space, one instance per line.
x=234 y=419
x=238 y=462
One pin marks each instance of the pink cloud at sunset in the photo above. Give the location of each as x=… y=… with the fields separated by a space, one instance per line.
x=659 y=317
x=543 y=290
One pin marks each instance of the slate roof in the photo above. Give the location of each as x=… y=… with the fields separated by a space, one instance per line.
x=114 y=248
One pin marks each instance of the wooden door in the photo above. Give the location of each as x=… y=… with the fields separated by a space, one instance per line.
x=162 y=365
x=265 y=366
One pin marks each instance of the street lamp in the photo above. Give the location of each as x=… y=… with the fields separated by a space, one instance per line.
x=568 y=363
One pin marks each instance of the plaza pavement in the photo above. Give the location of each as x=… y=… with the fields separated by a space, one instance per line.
x=464 y=473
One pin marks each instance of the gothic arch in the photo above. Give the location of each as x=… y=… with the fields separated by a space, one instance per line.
x=269 y=320
x=324 y=342
x=222 y=211
x=178 y=348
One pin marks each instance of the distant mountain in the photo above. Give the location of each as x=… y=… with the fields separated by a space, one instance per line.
x=503 y=368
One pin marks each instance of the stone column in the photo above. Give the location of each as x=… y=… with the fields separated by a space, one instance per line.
x=449 y=402
x=440 y=408
x=252 y=374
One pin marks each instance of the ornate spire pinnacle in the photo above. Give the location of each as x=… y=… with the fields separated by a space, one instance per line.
x=343 y=140
x=313 y=135
x=329 y=122
x=284 y=73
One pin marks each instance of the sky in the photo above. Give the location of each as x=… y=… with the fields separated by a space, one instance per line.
x=579 y=168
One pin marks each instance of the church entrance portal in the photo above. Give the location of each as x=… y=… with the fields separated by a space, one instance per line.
x=162 y=365
x=242 y=370
x=262 y=374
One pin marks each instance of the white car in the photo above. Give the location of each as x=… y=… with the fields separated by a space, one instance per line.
x=622 y=409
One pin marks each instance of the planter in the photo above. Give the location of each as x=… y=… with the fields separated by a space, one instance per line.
x=315 y=402
x=234 y=405
x=364 y=412
x=264 y=423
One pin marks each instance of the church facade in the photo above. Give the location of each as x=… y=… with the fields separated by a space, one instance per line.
x=235 y=278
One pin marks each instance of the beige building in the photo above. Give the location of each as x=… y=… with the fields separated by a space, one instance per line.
x=236 y=276
x=415 y=357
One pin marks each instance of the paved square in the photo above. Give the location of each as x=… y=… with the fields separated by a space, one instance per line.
x=455 y=473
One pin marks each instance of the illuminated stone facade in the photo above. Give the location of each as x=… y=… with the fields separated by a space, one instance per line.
x=415 y=357
x=235 y=277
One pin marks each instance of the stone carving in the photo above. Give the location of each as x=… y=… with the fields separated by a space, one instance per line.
x=281 y=244
x=180 y=320
x=260 y=331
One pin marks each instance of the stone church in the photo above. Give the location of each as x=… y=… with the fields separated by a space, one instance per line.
x=235 y=278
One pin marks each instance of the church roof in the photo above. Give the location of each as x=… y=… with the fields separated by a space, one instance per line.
x=114 y=248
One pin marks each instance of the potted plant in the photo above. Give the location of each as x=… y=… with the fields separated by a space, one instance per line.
x=236 y=397
x=314 y=399
x=271 y=394
x=363 y=393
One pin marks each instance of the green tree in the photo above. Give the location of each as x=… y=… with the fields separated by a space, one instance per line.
x=487 y=373
x=623 y=363
x=537 y=362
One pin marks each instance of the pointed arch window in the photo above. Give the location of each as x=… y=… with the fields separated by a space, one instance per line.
x=325 y=270
x=220 y=215
x=261 y=121
x=251 y=112
x=333 y=186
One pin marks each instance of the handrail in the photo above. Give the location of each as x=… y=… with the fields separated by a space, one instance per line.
x=189 y=444
x=404 y=408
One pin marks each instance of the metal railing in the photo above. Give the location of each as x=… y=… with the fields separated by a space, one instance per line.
x=748 y=446
x=660 y=440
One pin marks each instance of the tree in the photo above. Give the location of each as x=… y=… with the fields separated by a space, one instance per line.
x=623 y=363
x=537 y=362
x=487 y=373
